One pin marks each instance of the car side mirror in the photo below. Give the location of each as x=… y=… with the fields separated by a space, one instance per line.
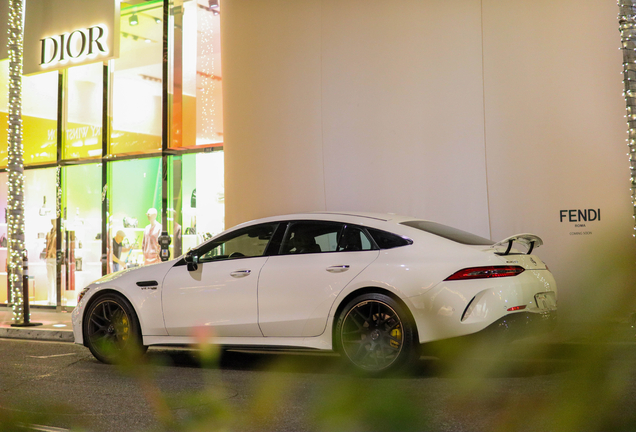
x=192 y=260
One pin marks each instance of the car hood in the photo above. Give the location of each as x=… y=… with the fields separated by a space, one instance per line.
x=153 y=272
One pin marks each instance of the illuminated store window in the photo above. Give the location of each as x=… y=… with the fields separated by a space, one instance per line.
x=137 y=89
x=82 y=228
x=39 y=118
x=202 y=212
x=135 y=211
x=83 y=135
x=39 y=222
x=202 y=80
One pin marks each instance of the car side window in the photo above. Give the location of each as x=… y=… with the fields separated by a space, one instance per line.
x=311 y=237
x=386 y=240
x=244 y=243
x=354 y=239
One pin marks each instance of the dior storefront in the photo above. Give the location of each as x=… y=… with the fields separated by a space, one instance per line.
x=119 y=146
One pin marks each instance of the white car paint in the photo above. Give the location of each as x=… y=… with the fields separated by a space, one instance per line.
x=286 y=301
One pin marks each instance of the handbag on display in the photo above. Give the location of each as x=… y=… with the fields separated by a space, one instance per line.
x=193 y=199
x=78 y=264
x=130 y=222
x=3 y=241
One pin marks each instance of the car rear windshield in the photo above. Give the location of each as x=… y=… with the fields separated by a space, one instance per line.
x=449 y=233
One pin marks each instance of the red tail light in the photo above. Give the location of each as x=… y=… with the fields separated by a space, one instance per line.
x=486 y=272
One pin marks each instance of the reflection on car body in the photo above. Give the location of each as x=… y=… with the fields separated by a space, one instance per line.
x=372 y=287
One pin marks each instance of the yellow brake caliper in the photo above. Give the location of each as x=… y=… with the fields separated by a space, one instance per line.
x=125 y=328
x=397 y=334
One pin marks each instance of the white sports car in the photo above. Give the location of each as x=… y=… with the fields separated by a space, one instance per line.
x=371 y=287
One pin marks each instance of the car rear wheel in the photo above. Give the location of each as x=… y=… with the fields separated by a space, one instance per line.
x=111 y=329
x=376 y=335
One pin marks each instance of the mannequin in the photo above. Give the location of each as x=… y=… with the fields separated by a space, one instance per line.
x=150 y=244
x=51 y=264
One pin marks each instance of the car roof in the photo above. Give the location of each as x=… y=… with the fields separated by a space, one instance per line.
x=351 y=217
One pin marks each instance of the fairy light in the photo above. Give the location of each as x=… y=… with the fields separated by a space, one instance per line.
x=15 y=219
x=627 y=23
x=207 y=78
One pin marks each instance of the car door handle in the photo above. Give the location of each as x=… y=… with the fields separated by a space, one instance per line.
x=240 y=273
x=338 y=268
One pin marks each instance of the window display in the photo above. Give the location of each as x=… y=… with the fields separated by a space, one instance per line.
x=203 y=202
x=39 y=218
x=81 y=228
x=135 y=201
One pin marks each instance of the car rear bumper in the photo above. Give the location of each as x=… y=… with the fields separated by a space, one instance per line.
x=521 y=325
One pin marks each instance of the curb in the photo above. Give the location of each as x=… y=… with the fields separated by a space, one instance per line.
x=36 y=334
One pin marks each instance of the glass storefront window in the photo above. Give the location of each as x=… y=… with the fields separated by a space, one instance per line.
x=83 y=139
x=134 y=189
x=137 y=90
x=39 y=225
x=202 y=79
x=82 y=228
x=196 y=193
x=39 y=118
x=202 y=211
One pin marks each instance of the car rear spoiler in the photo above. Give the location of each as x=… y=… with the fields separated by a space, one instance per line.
x=531 y=241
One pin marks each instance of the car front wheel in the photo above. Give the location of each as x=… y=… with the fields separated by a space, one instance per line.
x=111 y=329
x=376 y=335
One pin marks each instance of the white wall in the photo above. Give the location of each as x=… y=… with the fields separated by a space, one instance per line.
x=488 y=115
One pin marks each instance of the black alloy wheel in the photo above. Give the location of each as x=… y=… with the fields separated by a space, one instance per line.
x=376 y=335
x=111 y=329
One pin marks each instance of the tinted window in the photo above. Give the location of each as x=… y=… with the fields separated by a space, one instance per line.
x=354 y=239
x=246 y=242
x=386 y=240
x=449 y=233
x=311 y=237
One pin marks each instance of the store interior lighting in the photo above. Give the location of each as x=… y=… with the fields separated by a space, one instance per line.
x=133 y=20
x=213 y=6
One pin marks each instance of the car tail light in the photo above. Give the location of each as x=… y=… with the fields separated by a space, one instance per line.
x=516 y=308
x=486 y=272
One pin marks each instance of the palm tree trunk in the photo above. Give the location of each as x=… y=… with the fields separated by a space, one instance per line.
x=16 y=252
x=627 y=22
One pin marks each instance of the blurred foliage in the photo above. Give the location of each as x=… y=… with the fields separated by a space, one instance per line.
x=579 y=378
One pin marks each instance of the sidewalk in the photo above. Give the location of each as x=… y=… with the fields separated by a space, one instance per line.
x=56 y=326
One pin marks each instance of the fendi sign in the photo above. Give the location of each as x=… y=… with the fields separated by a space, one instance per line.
x=77 y=45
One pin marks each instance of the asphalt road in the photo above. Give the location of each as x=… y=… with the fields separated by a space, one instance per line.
x=520 y=387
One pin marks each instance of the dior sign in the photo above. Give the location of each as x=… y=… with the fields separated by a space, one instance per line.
x=75 y=46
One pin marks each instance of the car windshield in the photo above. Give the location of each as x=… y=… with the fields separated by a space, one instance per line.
x=449 y=233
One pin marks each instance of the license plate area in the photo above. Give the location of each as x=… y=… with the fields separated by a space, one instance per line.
x=546 y=301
